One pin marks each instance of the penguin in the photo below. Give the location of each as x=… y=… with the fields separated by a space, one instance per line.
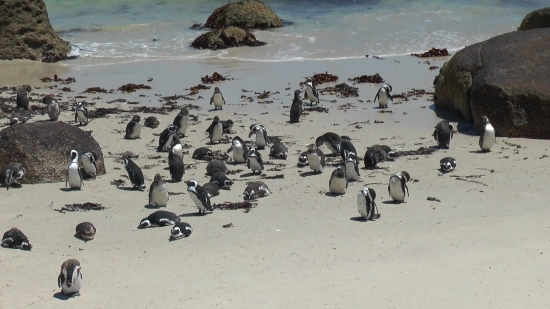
x=227 y=126
x=180 y=230
x=81 y=114
x=366 y=204
x=15 y=121
x=222 y=181
x=316 y=159
x=254 y=161
x=135 y=174
x=202 y=153
x=447 y=164
x=487 y=138
x=398 y=186
x=159 y=218
x=216 y=166
x=302 y=160
x=279 y=151
x=261 y=135
x=181 y=122
x=390 y=154
x=331 y=140
x=338 y=183
x=255 y=190
x=14 y=238
x=175 y=149
x=11 y=173
x=199 y=196
x=374 y=155
x=166 y=137
x=352 y=166
x=383 y=94
x=52 y=107
x=215 y=130
x=158 y=193
x=239 y=150
x=443 y=134
x=88 y=161
x=217 y=99
x=74 y=177
x=85 y=231
x=345 y=147
x=212 y=189
x=70 y=278
x=311 y=92
x=23 y=97
x=133 y=128
x=176 y=166
x=151 y=122
x=296 y=108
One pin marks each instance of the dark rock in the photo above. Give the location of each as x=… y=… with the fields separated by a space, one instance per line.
x=43 y=149
x=244 y=14
x=226 y=37
x=537 y=19
x=26 y=32
x=506 y=78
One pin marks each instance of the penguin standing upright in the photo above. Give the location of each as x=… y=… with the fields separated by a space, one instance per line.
x=133 y=128
x=22 y=99
x=158 y=193
x=199 y=196
x=311 y=92
x=176 y=166
x=338 y=183
x=296 y=108
x=14 y=238
x=352 y=166
x=52 y=107
x=134 y=173
x=316 y=159
x=81 y=114
x=88 y=161
x=397 y=188
x=254 y=161
x=175 y=149
x=487 y=138
x=345 y=148
x=261 y=135
x=217 y=99
x=366 y=204
x=159 y=218
x=331 y=140
x=215 y=130
x=180 y=230
x=166 y=137
x=383 y=94
x=74 y=177
x=181 y=121
x=239 y=150
x=70 y=278
x=11 y=173
x=390 y=154
x=443 y=134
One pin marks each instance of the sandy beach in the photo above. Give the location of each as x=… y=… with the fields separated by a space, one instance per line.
x=484 y=245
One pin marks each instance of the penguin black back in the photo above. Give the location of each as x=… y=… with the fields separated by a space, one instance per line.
x=345 y=147
x=177 y=168
x=134 y=173
x=296 y=107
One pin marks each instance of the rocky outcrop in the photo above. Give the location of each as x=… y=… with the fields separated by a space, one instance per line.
x=226 y=37
x=43 y=149
x=244 y=14
x=26 y=32
x=506 y=78
x=537 y=19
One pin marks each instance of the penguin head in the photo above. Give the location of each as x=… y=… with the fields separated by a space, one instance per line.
x=309 y=82
x=216 y=119
x=251 y=152
x=216 y=89
x=21 y=173
x=26 y=245
x=14 y=121
x=302 y=160
x=158 y=178
x=47 y=100
x=364 y=192
x=341 y=171
x=249 y=194
x=319 y=141
x=446 y=166
x=144 y=223
x=175 y=140
x=236 y=141
x=387 y=87
x=184 y=111
x=176 y=233
x=227 y=183
x=125 y=161
x=484 y=120
x=406 y=176
x=9 y=177
x=136 y=118
x=297 y=94
x=210 y=153
x=171 y=128
x=229 y=123
x=192 y=183
x=74 y=154
x=79 y=105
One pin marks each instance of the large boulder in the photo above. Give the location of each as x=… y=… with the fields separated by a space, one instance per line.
x=43 y=148
x=26 y=32
x=244 y=14
x=537 y=19
x=226 y=37
x=506 y=78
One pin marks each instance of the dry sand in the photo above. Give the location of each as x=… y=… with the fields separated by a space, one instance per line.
x=485 y=245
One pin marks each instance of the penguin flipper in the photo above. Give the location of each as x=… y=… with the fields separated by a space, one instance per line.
x=376 y=97
x=407 y=190
x=390 y=96
x=230 y=149
x=248 y=163
x=305 y=95
x=60 y=279
x=223 y=99
x=211 y=99
x=75 y=116
x=265 y=135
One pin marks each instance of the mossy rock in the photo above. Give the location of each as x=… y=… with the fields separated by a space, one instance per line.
x=225 y=38
x=252 y=14
x=537 y=19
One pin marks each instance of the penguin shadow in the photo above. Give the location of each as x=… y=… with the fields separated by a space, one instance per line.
x=69 y=189
x=330 y=194
x=480 y=151
x=61 y=296
x=174 y=181
x=307 y=174
x=195 y=214
x=79 y=238
x=392 y=202
x=444 y=172
x=128 y=189
x=13 y=186
x=462 y=126
x=361 y=219
x=152 y=207
x=248 y=175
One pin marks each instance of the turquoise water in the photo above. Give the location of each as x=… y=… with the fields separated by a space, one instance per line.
x=322 y=29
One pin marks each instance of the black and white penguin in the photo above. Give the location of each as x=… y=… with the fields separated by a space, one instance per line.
x=383 y=94
x=211 y=188
x=447 y=164
x=175 y=149
x=11 y=173
x=487 y=138
x=135 y=174
x=215 y=130
x=296 y=108
x=315 y=159
x=15 y=121
x=52 y=107
x=279 y=151
x=70 y=278
x=397 y=188
x=352 y=166
x=255 y=190
x=85 y=231
x=366 y=204
x=254 y=161
x=176 y=166
x=151 y=122
x=345 y=147
x=202 y=153
x=22 y=99
x=181 y=122
x=166 y=137
x=88 y=161
x=261 y=135
x=331 y=140
x=81 y=114
x=338 y=183
x=180 y=230
x=311 y=92
x=159 y=218
x=239 y=149
x=158 y=193
x=133 y=128
x=217 y=99
x=390 y=154
x=302 y=160
x=216 y=166
x=227 y=126
x=199 y=196
x=374 y=155
x=443 y=134
x=223 y=181
x=74 y=177
x=14 y=238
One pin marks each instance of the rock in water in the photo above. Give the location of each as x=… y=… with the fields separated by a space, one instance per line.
x=26 y=32
x=504 y=78
x=226 y=37
x=537 y=19
x=245 y=14
x=43 y=149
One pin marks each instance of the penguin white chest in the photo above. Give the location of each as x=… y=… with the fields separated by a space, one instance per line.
x=217 y=133
x=169 y=141
x=382 y=98
x=362 y=206
x=337 y=185
x=238 y=153
x=255 y=165
x=260 y=140
x=74 y=176
x=75 y=287
x=314 y=162
x=217 y=99
x=488 y=137
x=159 y=196
x=136 y=131
x=81 y=116
x=397 y=192
x=311 y=95
x=178 y=150
x=351 y=172
x=89 y=168
x=184 y=124
x=53 y=111
x=331 y=147
x=195 y=198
